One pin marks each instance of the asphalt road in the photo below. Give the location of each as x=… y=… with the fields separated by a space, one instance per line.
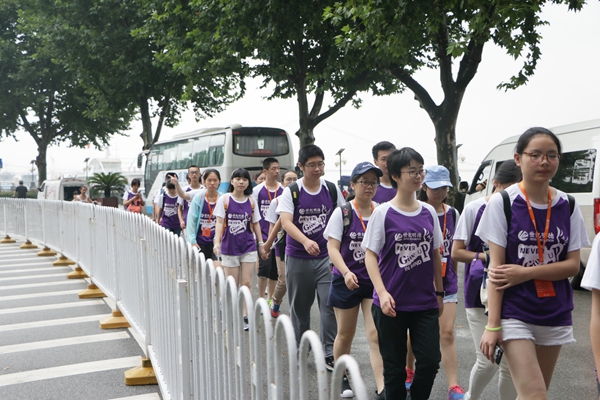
x=573 y=378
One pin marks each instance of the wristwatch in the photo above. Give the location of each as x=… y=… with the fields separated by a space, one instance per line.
x=442 y=293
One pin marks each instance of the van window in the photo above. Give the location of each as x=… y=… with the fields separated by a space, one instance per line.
x=481 y=175
x=576 y=172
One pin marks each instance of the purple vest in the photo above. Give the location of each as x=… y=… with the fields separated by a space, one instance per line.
x=474 y=271
x=406 y=261
x=383 y=195
x=352 y=253
x=521 y=301
x=264 y=202
x=311 y=218
x=170 y=219
x=205 y=223
x=238 y=238
x=451 y=278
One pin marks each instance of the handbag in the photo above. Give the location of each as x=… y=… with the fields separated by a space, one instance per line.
x=135 y=206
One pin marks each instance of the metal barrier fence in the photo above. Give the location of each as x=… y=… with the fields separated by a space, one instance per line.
x=186 y=313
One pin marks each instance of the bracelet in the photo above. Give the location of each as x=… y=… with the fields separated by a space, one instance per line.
x=498 y=329
x=346 y=272
x=261 y=244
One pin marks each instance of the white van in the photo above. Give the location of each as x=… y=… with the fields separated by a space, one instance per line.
x=60 y=189
x=580 y=145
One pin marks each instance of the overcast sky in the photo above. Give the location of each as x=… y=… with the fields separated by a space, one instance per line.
x=565 y=89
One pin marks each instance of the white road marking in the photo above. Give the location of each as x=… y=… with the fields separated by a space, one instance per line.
x=149 y=396
x=69 y=370
x=14 y=271
x=36 y=295
x=48 y=344
x=26 y=277
x=52 y=306
x=41 y=284
x=52 y=322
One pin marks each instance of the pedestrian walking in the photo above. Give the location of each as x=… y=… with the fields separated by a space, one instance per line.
x=534 y=240
x=20 y=191
x=591 y=281
x=134 y=199
x=469 y=249
x=351 y=289
x=385 y=191
x=402 y=244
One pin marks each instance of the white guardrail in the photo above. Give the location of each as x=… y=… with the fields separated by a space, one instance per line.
x=187 y=315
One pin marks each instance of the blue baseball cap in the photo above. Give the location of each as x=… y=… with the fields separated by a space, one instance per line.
x=363 y=167
x=436 y=177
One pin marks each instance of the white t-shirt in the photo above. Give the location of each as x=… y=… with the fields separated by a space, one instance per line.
x=158 y=200
x=286 y=203
x=591 y=277
x=493 y=227
x=193 y=192
x=335 y=226
x=375 y=236
x=220 y=207
x=126 y=195
x=464 y=229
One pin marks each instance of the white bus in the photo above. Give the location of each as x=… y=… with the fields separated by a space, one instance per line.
x=223 y=149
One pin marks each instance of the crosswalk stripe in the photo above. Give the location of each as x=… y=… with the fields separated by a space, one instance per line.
x=52 y=306
x=41 y=284
x=69 y=370
x=14 y=265
x=47 y=344
x=13 y=271
x=37 y=295
x=26 y=277
x=52 y=322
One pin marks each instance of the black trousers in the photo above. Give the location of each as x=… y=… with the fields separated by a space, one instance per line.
x=424 y=330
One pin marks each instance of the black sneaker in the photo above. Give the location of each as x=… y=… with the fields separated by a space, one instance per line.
x=380 y=395
x=329 y=363
x=346 y=389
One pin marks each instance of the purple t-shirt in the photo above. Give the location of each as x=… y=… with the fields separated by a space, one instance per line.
x=170 y=219
x=186 y=204
x=311 y=217
x=263 y=197
x=238 y=238
x=565 y=234
x=451 y=278
x=384 y=194
x=207 y=221
x=405 y=243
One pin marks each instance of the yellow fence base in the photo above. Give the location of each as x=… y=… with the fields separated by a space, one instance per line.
x=28 y=245
x=7 y=239
x=46 y=252
x=116 y=321
x=92 y=292
x=77 y=274
x=143 y=375
x=62 y=261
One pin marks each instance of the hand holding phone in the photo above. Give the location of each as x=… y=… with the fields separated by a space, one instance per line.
x=498 y=352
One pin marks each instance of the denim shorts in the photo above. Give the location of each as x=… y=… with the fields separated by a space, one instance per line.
x=342 y=297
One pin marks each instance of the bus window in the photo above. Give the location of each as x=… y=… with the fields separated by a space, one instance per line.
x=184 y=154
x=260 y=142
x=216 y=150
x=576 y=172
x=200 y=151
x=170 y=156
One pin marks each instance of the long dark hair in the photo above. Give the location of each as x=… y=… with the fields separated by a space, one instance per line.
x=526 y=137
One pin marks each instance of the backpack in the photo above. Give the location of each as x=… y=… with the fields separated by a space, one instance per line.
x=135 y=206
x=295 y=190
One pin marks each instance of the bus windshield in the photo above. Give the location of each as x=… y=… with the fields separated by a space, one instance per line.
x=260 y=142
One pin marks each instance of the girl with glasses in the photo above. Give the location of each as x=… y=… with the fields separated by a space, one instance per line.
x=534 y=249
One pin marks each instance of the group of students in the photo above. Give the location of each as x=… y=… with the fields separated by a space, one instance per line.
x=392 y=251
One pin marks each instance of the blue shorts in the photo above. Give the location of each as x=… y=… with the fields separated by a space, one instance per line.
x=342 y=297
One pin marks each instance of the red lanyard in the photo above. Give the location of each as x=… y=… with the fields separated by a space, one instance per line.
x=360 y=216
x=444 y=229
x=211 y=209
x=540 y=244
x=269 y=193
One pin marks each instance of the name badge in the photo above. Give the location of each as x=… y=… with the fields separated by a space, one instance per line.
x=544 y=288
x=444 y=264
x=206 y=232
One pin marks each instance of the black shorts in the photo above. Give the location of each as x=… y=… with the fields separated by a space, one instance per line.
x=268 y=268
x=208 y=252
x=342 y=297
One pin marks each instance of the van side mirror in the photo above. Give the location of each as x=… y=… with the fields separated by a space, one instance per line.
x=463 y=187
x=140 y=160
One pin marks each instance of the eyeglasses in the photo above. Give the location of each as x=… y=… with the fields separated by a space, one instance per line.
x=366 y=184
x=414 y=173
x=194 y=172
x=537 y=158
x=319 y=165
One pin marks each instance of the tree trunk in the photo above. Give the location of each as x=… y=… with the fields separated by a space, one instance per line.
x=146 y=134
x=40 y=161
x=445 y=143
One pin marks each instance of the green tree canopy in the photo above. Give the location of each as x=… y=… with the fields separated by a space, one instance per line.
x=107 y=183
x=287 y=44
x=39 y=94
x=447 y=35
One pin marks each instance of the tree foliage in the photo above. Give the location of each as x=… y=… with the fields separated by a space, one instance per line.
x=447 y=35
x=286 y=43
x=39 y=94
x=107 y=183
